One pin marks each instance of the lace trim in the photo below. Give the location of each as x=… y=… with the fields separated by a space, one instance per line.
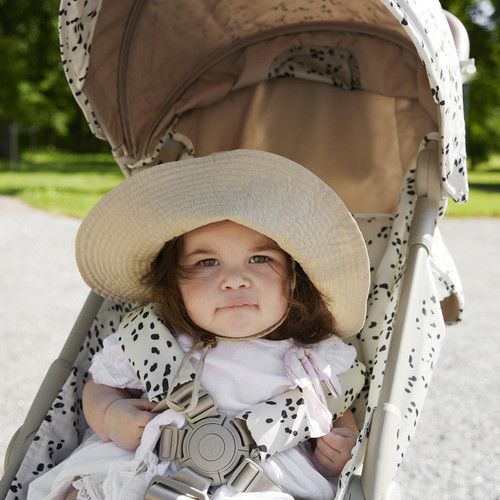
x=85 y=489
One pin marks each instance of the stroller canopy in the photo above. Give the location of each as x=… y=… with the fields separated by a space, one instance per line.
x=146 y=54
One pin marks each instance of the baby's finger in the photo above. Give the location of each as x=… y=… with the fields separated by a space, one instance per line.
x=145 y=404
x=339 y=439
x=144 y=417
x=328 y=464
x=330 y=446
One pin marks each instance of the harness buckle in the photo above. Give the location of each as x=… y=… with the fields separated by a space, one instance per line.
x=212 y=447
x=182 y=396
x=184 y=485
x=168 y=445
x=249 y=476
x=204 y=409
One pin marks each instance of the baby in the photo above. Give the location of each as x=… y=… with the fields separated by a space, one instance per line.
x=247 y=270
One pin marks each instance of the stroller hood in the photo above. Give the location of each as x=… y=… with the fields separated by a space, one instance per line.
x=147 y=53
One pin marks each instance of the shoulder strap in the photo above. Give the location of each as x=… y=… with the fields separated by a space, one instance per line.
x=153 y=351
x=275 y=425
x=280 y=423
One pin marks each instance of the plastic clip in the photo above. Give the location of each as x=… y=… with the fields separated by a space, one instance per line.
x=184 y=485
x=248 y=476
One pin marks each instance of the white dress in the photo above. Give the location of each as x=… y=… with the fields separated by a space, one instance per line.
x=237 y=374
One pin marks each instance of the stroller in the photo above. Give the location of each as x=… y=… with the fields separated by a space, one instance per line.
x=367 y=94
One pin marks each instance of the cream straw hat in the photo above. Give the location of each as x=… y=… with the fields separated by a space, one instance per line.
x=270 y=194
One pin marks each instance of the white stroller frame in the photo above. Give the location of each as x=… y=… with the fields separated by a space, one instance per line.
x=382 y=456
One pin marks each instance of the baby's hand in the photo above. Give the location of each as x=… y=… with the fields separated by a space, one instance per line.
x=125 y=419
x=333 y=451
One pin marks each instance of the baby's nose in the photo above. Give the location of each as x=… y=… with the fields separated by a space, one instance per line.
x=235 y=279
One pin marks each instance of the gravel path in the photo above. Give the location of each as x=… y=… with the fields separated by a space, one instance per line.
x=456 y=451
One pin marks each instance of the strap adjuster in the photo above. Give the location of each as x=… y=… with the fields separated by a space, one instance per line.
x=170 y=443
x=248 y=476
x=185 y=485
x=204 y=409
x=182 y=395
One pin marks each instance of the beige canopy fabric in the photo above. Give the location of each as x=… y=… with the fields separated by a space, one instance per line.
x=359 y=129
x=146 y=54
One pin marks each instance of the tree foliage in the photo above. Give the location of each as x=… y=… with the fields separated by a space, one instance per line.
x=482 y=95
x=34 y=92
x=31 y=92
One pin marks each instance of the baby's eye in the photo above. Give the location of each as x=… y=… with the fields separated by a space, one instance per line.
x=259 y=259
x=208 y=262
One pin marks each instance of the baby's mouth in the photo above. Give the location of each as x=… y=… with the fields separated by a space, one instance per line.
x=237 y=303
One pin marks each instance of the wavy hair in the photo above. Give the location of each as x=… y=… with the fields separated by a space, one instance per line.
x=308 y=319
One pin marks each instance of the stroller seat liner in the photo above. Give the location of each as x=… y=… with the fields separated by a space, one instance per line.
x=64 y=426
x=353 y=91
x=387 y=117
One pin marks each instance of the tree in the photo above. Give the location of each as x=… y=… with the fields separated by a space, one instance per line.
x=34 y=92
x=481 y=19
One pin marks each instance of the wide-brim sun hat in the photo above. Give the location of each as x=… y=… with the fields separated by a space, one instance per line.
x=127 y=228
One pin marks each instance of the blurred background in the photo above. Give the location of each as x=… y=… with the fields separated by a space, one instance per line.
x=49 y=158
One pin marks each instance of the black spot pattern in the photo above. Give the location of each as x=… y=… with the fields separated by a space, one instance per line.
x=64 y=425
x=76 y=20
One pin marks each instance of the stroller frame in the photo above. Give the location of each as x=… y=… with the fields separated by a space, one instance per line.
x=375 y=479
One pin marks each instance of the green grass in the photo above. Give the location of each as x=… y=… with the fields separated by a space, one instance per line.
x=71 y=184
x=60 y=182
x=484 y=195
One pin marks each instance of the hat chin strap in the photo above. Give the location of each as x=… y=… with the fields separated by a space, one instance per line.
x=207 y=337
x=208 y=341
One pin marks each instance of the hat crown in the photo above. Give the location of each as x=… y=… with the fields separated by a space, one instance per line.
x=270 y=194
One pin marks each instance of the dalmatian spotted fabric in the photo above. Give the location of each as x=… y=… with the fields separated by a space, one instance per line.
x=373 y=342
x=336 y=67
x=64 y=425
x=281 y=423
x=276 y=424
x=77 y=21
x=421 y=20
x=427 y=28
x=386 y=238
x=156 y=357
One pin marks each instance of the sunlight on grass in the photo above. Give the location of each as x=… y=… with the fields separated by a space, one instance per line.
x=484 y=195
x=480 y=204
x=71 y=184
x=61 y=182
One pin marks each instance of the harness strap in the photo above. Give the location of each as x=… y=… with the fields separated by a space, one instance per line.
x=248 y=477
x=275 y=425
x=156 y=357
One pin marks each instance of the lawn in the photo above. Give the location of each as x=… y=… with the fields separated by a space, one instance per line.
x=484 y=195
x=60 y=182
x=71 y=184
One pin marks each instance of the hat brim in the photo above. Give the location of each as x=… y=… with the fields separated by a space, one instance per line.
x=125 y=231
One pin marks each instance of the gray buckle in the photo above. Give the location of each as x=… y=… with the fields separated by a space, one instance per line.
x=184 y=485
x=182 y=396
x=169 y=445
x=248 y=476
x=213 y=447
x=204 y=409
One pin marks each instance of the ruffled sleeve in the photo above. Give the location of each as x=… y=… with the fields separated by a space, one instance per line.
x=309 y=368
x=111 y=367
x=336 y=353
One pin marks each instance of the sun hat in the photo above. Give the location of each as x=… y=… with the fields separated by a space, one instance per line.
x=277 y=197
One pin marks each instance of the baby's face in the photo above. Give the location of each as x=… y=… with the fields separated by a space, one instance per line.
x=236 y=284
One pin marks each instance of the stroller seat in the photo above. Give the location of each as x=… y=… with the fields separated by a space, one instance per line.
x=350 y=99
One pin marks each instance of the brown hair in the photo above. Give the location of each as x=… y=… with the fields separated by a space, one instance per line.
x=308 y=320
